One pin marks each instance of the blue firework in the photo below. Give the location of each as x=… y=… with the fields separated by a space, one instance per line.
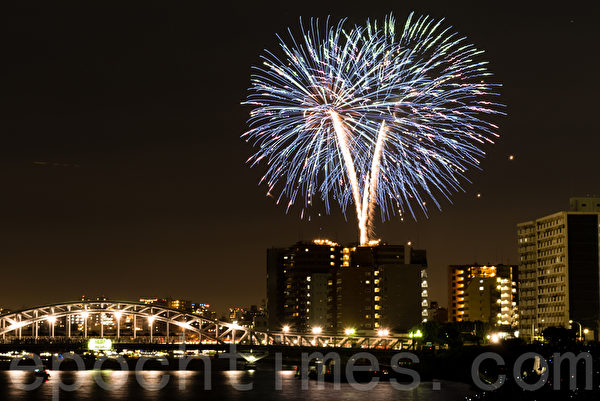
x=370 y=116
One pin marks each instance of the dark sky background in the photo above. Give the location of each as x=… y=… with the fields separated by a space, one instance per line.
x=122 y=172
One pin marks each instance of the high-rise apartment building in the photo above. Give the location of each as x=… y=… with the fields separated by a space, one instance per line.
x=559 y=271
x=333 y=287
x=483 y=293
x=300 y=285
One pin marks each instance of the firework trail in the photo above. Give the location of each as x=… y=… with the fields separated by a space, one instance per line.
x=367 y=116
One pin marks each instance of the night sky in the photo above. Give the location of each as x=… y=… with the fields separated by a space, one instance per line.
x=123 y=172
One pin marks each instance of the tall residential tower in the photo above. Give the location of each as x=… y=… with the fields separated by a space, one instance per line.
x=335 y=287
x=559 y=271
x=483 y=293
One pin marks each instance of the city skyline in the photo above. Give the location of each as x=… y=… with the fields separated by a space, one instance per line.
x=118 y=169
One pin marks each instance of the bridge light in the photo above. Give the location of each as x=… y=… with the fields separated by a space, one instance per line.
x=51 y=319
x=586 y=331
x=286 y=329
x=184 y=325
x=383 y=332
x=85 y=315
x=118 y=315
x=350 y=332
x=150 y=319
x=317 y=330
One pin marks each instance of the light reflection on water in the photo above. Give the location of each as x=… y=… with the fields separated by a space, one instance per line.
x=190 y=385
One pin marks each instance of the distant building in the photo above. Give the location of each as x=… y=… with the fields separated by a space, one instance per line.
x=333 y=287
x=253 y=317
x=559 y=278
x=483 y=293
x=384 y=286
x=204 y=311
x=179 y=304
x=154 y=301
x=299 y=285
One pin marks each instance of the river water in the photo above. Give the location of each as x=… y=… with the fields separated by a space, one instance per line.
x=223 y=385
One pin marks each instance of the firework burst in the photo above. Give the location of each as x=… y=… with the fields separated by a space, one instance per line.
x=370 y=116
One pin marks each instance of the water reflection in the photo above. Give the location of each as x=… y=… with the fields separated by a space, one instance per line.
x=193 y=385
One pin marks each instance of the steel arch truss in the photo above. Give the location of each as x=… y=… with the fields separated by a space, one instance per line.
x=12 y=324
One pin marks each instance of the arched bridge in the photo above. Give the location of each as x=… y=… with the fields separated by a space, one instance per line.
x=127 y=321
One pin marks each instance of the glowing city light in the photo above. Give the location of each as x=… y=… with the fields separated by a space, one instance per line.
x=415 y=334
x=51 y=319
x=286 y=329
x=371 y=117
x=350 y=332
x=317 y=330
x=383 y=332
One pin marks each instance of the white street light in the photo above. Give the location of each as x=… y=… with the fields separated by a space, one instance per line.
x=383 y=332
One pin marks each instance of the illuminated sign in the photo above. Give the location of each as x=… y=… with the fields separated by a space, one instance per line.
x=99 y=344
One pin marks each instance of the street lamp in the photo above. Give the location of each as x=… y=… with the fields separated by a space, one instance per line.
x=84 y=316
x=51 y=321
x=118 y=319
x=350 y=332
x=317 y=330
x=383 y=332
x=286 y=329
x=150 y=321
x=571 y=322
